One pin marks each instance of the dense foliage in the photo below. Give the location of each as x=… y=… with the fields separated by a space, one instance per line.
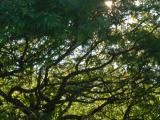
x=80 y=60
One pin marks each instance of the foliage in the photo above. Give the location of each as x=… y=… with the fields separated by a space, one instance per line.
x=79 y=59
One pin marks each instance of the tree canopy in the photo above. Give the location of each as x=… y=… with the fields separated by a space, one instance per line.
x=79 y=60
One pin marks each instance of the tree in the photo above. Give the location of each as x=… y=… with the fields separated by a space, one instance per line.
x=79 y=59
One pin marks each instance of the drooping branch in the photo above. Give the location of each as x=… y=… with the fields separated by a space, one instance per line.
x=15 y=102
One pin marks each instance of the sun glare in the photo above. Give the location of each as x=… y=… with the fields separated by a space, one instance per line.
x=108 y=3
